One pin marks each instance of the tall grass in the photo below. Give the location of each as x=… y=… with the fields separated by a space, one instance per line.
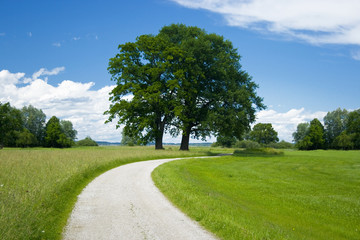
x=38 y=187
x=298 y=195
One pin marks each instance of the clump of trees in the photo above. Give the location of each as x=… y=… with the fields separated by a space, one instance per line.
x=27 y=127
x=181 y=81
x=341 y=130
x=261 y=135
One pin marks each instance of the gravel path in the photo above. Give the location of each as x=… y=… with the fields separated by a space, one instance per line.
x=124 y=203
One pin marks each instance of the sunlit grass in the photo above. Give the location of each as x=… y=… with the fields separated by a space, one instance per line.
x=38 y=187
x=299 y=195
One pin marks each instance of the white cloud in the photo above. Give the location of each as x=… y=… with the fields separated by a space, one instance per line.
x=314 y=21
x=30 y=34
x=285 y=123
x=56 y=44
x=68 y=100
x=76 y=38
x=45 y=72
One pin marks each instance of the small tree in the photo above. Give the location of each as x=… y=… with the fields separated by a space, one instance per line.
x=54 y=135
x=86 y=142
x=26 y=139
x=301 y=132
x=343 y=141
x=314 y=138
x=353 y=127
x=128 y=141
x=34 y=120
x=68 y=130
x=11 y=124
x=264 y=133
x=335 y=123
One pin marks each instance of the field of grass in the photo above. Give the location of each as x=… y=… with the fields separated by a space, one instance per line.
x=298 y=195
x=38 y=187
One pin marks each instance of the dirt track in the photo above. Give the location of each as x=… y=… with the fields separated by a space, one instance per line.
x=124 y=203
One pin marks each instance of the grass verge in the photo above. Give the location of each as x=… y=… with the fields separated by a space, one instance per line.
x=39 y=187
x=298 y=195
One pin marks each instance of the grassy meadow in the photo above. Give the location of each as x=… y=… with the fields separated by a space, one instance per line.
x=39 y=187
x=297 y=195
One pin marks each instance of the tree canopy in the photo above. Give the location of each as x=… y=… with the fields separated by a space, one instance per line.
x=341 y=130
x=181 y=80
x=26 y=128
x=264 y=133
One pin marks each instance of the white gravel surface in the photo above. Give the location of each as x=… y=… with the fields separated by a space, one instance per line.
x=124 y=203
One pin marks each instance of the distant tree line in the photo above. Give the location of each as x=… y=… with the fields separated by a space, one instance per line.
x=261 y=135
x=341 y=130
x=27 y=127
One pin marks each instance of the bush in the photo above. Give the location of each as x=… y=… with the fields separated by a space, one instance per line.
x=281 y=145
x=259 y=152
x=87 y=142
x=248 y=144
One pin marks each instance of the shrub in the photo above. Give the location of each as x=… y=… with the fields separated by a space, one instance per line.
x=87 y=142
x=258 y=152
x=248 y=144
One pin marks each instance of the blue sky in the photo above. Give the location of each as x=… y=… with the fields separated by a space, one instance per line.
x=304 y=55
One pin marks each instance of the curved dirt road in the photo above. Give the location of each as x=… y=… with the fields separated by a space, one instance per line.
x=124 y=203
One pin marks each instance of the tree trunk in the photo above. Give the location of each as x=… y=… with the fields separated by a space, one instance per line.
x=160 y=125
x=185 y=140
x=159 y=142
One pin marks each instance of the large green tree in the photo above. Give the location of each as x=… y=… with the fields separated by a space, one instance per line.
x=142 y=99
x=68 y=129
x=334 y=124
x=55 y=136
x=34 y=120
x=11 y=124
x=353 y=127
x=314 y=138
x=302 y=130
x=213 y=94
x=264 y=133
x=181 y=80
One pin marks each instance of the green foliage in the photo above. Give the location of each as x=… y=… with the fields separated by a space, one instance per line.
x=142 y=99
x=334 y=124
x=225 y=141
x=280 y=145
x=26 y=139
x=181 y=80
x=34 y=120
x=258 y=152
x=264 y=133
x=26 y=128
x=248 y=144
x=128 y=141
x=68 y=130
x=342 y=131
x=11 y=123
x=86 y=142
x=343 y=142
x=301 y=132
x=55 y=136
x=314 y=138
x=353 y=127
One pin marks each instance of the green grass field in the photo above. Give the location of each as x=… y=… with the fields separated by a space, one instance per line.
x=298 y=195
x=38 y=187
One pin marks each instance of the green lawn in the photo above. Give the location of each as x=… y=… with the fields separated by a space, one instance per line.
x=299 y=195
x=38 y=187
